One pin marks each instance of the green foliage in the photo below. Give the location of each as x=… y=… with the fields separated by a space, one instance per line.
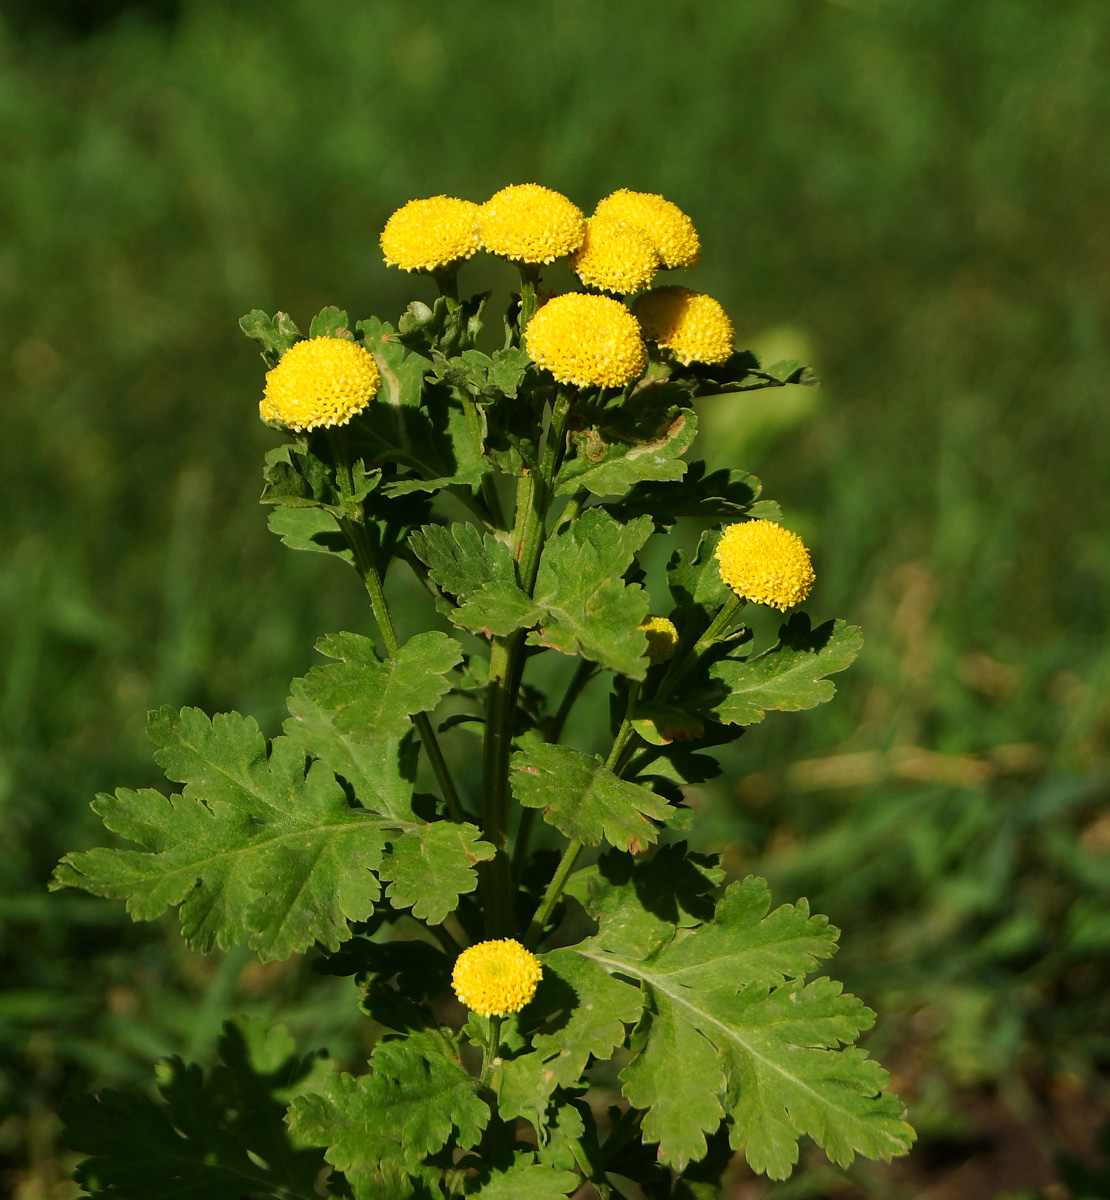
x=588 y=609
x=730 y=1031
x=378 y=1128
x=791 y=675
x=584 y=799
x=695 y=996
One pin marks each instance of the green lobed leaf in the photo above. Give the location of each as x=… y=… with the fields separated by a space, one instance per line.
x=731 y=1030
x=478 y=570
x=579 y=1010
x=214 y=1136
x=254 y=850
x=613 y=455
x=380 y=695
x=588 y=609
x=430 y=867
x=297 y=475
x=527 y=1179
x=723 y=495
x=378 y=1128
x=309 y=528
x=788 y=677
x=276 y=333
x=695 y=580
x=330 y=322
x=583 y=799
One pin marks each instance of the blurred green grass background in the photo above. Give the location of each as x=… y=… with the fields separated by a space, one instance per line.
x=914 y=195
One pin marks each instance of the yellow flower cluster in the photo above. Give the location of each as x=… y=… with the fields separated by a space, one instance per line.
x=662 y=638
x=615 y=257
x=320 y=381
x=668 y=227
x=765 y=563
x=531 y=224
x=620 y=249
x=693 y=326
x=590 y=341
x=495 y=978
x=427 y=235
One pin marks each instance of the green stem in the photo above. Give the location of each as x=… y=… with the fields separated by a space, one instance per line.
x=506 y=668
x=355 y=533
x=493 y=500
x=529 y=282
x=626 y=732
x=447 y=280
x=489 y=1051
x=595 y=1175
x=551 y=896
x=680 y=666
x=574 y=507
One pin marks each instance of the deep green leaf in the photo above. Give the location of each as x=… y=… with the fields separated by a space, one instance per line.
x=724 y=495
x=788 y=677
x=310 y=528
x=430 y=867
x=588 y=609
x=583 y=799
x=730 y=1029
x=480 y=572
x=330 y=322
x=354 y=714
x=254 y=850
x=611 y=456
x=579 y=1010
x=528 y=1179
x=276 y=333
x=378 y=1128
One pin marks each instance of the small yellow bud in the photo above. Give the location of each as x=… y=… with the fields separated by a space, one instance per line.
x=662 y=638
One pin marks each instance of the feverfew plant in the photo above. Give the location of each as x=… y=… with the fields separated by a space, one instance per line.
x=516 y=988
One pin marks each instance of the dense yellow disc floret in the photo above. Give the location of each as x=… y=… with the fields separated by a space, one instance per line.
x=591 y=341
x=670 y=229
x=765 y=563
x=425 y=235
x=321 y=381
x=532 y=224
x=615 y=256
x=693 y=326
x=662 y=638
x=495 y=978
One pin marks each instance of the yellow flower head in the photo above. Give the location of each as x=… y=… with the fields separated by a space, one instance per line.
x=495 y=978
x=591 y=341
x=321 y=381
x=425 y=235
x=694 y=327
x=532 y=224
x=765 y=563
x=616 y=257
x=662 y=638
x=669 y=228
